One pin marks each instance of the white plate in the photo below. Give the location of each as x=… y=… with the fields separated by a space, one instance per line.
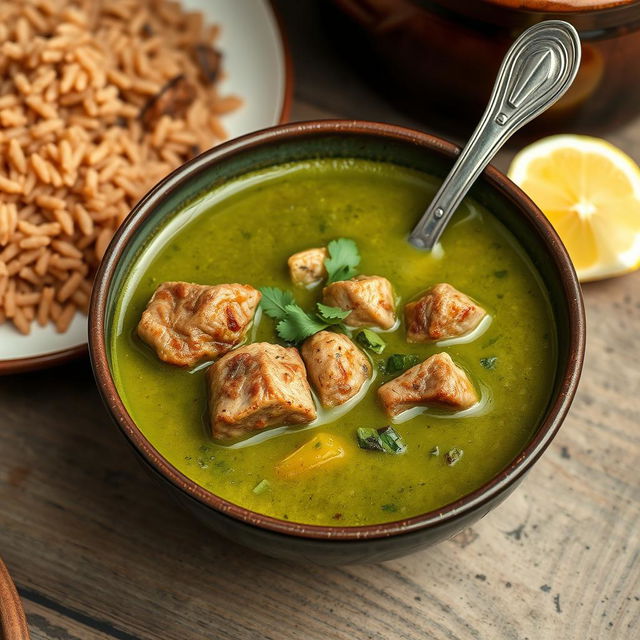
x=257 y=68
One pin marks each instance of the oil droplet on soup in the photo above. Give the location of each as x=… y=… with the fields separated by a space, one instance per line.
x=245 y=234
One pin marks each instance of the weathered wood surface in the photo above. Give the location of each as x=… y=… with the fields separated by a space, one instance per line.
x=98 y=552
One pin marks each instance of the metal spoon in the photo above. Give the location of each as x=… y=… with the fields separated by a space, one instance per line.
x=538 y=68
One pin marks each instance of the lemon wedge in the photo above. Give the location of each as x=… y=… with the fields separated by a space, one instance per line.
x=590 y=192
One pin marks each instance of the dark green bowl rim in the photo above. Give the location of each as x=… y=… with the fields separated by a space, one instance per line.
x=554 y=416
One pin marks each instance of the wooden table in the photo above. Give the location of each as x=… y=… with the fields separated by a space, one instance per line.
x=98 y=552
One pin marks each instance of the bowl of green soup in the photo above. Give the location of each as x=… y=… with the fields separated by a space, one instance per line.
x=304 y=380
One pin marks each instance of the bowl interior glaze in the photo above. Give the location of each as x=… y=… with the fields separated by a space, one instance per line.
x=342 y=139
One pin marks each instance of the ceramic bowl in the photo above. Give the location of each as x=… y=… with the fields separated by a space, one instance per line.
x=13 y=625
x=438 y=59
x=334 y=544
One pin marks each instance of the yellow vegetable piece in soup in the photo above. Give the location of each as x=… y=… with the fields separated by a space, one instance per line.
x=322 y=449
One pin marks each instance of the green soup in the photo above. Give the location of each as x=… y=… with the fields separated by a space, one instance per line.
x=244 y=233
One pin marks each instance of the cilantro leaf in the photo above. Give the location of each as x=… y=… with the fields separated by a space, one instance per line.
x=331 y=315
x=401 y=362
x=294 y=324
x=274 y=301
x=371 y=340
x=297 y=325
x=342 y=261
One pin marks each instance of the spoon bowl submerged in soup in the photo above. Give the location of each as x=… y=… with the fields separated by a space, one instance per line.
x=429 y=376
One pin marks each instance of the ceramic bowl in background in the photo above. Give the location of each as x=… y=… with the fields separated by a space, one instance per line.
x=438 y=59
x=373 y=141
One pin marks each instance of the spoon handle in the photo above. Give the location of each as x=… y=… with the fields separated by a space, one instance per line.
x=537 y=70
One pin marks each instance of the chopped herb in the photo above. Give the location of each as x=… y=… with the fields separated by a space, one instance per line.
x=489 y=363
x=368 y=439
x=400 y=362
x=274 y=302
x=391 y=440
x=294 y=323
x=501 y=274
x=435 y=451
x=371 y=340
x=261 y=487
x=331 y=315
x=317 y=445
x=384 y=440
x=453 y=455
x=342 y=261
x=297 y=325
x=389 y=507
x=339 y=328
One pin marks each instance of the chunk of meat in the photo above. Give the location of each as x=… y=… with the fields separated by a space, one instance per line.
x=256 y=386
x=435 y=382
x=307 y=267
x=185 y=322
x=443 y=312
x=369 y=298
x=337 y=369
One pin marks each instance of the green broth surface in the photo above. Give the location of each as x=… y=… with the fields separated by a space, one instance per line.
x=245 y=234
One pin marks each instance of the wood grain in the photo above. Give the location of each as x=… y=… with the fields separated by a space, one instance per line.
x=98 y=552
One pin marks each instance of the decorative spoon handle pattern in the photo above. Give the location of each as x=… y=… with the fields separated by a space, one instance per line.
x=537 y=70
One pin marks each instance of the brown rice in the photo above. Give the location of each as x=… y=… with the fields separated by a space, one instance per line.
x=99 y=99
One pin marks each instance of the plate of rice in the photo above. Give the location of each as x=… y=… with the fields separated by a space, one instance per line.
x=99 y=100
